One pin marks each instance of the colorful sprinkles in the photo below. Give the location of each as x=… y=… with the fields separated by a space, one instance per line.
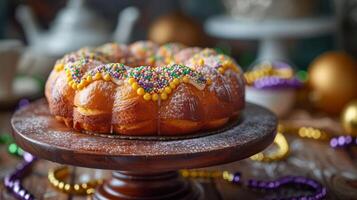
x=152 y=83
x=165 y=54
x=221 y=63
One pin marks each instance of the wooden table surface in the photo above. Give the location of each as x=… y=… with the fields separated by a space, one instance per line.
x=335 y=169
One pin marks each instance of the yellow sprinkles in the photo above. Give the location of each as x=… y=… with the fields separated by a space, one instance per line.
x=149 y=82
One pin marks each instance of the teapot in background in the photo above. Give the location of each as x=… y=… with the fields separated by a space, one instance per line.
x=75 y=26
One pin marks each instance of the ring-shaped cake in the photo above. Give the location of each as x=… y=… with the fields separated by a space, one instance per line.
x=145 y=89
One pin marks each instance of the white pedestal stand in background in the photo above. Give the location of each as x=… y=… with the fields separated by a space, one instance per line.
x=271 y=33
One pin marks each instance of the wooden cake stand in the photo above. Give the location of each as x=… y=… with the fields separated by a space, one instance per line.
x=146 y=168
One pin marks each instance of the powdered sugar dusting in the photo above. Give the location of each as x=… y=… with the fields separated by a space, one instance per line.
x=35 y=125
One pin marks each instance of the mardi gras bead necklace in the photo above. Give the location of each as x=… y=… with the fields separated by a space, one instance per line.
x=335 y=142
x=268 y=75
x=319 y=192
x=343 y=141
x=57 y=175
x=57 y=178
x=12 y=181
x=306 y=132
x=12 y=147
x=280 y=153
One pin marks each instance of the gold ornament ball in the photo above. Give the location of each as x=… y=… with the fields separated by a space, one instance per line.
x=176 y=27
x=349 y=118
x=333 y=81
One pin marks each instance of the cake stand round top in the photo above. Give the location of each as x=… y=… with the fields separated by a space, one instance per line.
x=39 y=133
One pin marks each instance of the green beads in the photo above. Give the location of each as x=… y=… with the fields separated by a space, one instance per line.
x=12 y=147
x=5 y=139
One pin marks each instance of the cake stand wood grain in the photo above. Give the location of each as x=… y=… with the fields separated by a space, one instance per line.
x=145 y=168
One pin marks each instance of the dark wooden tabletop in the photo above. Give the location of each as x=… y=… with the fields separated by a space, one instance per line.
x=335 y=169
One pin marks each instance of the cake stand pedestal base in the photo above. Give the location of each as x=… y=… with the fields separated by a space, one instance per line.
x=126 y=185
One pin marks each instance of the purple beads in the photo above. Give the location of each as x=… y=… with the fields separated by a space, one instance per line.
x=343 y=141
x=319 y=191
x=12 y=181
x=23 y=103
x=271 y=82
x=236 y=178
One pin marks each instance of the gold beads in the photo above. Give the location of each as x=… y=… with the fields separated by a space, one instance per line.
x=172 y=85
x=155 y=97
x=71 y=82
x=163 y=96
x=57 y=176
x=140 y=91
x=107 y=77
x=227 y=176
x=97 y=76
x=147 y=96
x=131 y=80
x=176 y=81
x=89 y=78
x=135 y=86
x=208 y=174
x=227 y=64
x=266 y=69
x=74 y=86
x=306 y=132
x=185 y=173
x=167 y=90
x=81 y=85
x=281 y=152
x=312 y=133
x=203 y=174
x=185 y=79
x=285 y=73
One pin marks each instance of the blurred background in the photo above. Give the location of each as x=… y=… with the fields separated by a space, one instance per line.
x=299 y=58
x=34 y=33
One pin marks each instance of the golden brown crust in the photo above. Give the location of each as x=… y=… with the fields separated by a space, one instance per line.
x=98 y=123
x=96 y=96
x=108 y=107
x=93 y=107
x=59 y=95
x=182 y=112
x=132 y=115
x=66 y=120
